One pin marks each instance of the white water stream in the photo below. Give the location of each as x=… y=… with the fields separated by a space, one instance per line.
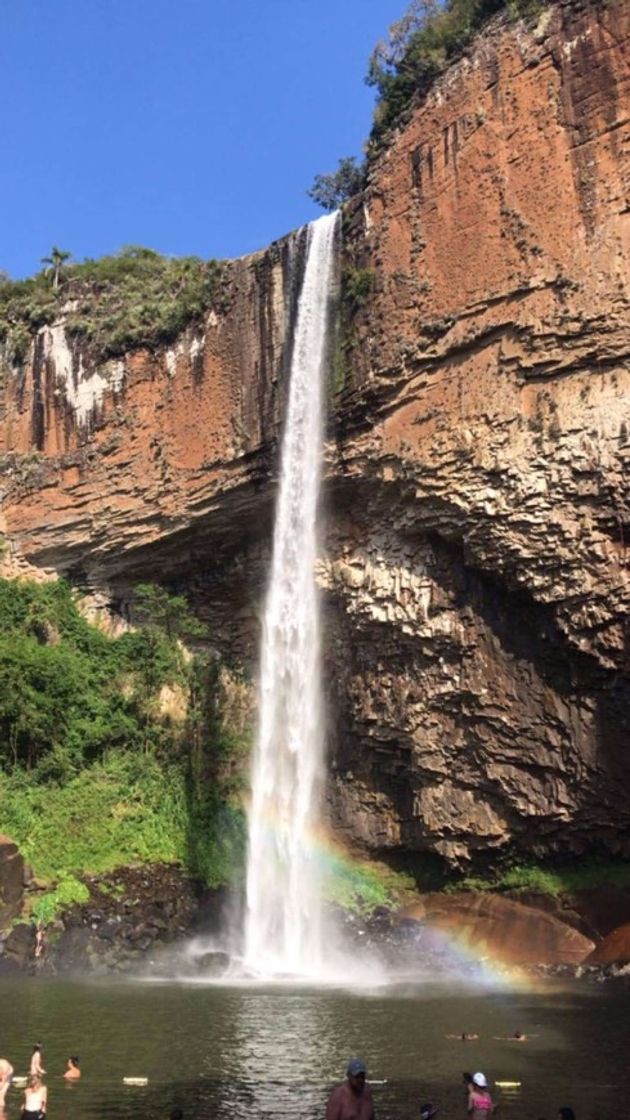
x=283 y=931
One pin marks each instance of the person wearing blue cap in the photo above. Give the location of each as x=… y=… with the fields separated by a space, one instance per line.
x=352 y=1100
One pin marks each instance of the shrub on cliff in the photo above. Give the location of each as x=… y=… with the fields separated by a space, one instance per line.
x=131 y=299
x=419 y=47
x=330 y=190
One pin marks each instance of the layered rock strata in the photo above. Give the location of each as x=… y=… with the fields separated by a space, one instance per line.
x=476 y=508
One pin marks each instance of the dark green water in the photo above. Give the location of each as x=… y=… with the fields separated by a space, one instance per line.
x=240 y=1053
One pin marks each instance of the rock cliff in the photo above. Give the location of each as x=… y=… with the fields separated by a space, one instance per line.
x=476 y=504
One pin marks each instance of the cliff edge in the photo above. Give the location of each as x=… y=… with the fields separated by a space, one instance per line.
x=476 y=507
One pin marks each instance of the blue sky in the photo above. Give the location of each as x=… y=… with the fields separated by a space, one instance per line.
x=190 y=126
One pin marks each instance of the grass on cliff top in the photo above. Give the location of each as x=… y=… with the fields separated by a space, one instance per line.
x=133 y=298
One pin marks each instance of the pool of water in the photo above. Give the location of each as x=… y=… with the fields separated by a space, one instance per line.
x=245 y=1052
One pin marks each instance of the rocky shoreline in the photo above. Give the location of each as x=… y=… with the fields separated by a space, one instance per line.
x=129 y=913
x=144 y=917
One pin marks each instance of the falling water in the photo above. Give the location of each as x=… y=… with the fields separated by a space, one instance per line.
x=283 y=932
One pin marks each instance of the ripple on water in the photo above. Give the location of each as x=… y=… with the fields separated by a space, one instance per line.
x=243 y=1053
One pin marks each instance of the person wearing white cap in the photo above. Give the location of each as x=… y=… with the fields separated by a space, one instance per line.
x=480 y=1104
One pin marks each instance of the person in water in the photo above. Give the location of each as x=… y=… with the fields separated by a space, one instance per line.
x=480 y=1104
x=518 y=1036
x=352 y=1100
x=35 y=1099
x=73 y=1072
x=463 y=1037
x=6 y=1076
x=36 y=1067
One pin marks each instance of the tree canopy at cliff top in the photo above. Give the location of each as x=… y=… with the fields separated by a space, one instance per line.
x=419 y=47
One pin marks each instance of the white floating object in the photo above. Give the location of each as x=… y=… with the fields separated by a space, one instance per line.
x=135 y=1080
x=370 y=1082
x=508 y=1084
x=19 y=1082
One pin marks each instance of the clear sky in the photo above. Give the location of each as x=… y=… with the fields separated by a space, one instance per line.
x=190 y=126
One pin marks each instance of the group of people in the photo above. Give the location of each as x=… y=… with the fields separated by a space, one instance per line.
x=353 y=1100
x=35 y=1099
x=466 y=1036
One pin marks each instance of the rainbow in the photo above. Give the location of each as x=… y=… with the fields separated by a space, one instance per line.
x=349 y=880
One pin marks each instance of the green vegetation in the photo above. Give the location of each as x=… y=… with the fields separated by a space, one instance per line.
x=95 y=771
x=130 y=299
x=421 y=45
x=329 y=191
x=356 y=286
x=68 y=892
x=361 y=887
x=551 y=879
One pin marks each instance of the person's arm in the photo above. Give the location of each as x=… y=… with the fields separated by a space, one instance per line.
x=333 y=1108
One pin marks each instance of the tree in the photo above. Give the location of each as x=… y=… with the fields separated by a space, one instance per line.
x=153 y=606
x=389 y=53
x=55 y=263
x=329 y=191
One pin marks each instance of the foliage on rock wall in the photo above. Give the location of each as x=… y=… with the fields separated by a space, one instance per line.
x=130 y=299
x=94 y=773
x=331 y=189
x=421 y=45
x=553 y=879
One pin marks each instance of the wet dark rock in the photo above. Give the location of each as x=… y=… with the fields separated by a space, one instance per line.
x=19 y=948
x=11 y=880
x=213 y=964
x=130 y=911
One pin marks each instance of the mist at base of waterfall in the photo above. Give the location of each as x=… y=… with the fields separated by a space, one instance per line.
x=361 y=956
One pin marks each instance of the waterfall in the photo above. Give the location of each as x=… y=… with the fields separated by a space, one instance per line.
x=283 y=931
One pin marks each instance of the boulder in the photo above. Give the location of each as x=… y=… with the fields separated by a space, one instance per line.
x=614 y=949
x=11 y=880
x=19 y=948
x=507 y=931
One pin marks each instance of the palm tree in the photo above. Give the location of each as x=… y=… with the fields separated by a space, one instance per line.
x=55 y=263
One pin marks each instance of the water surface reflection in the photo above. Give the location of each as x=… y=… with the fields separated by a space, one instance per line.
x=239 y=1053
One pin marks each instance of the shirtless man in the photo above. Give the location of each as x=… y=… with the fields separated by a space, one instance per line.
x=6 y=1073
x=352 y=1100
x=73 y=1071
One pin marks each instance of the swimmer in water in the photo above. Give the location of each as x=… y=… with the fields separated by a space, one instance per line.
x=480 y=1105
x=36 y=1067
x=518 y=1036
x=6 y=1076
x=73 y=1072
x=463 y=1037
x=35 y=1099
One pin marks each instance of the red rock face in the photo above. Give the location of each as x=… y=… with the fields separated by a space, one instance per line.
x=501 y=931
x=475 y=580
x=614 y=949
x=482 y=455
